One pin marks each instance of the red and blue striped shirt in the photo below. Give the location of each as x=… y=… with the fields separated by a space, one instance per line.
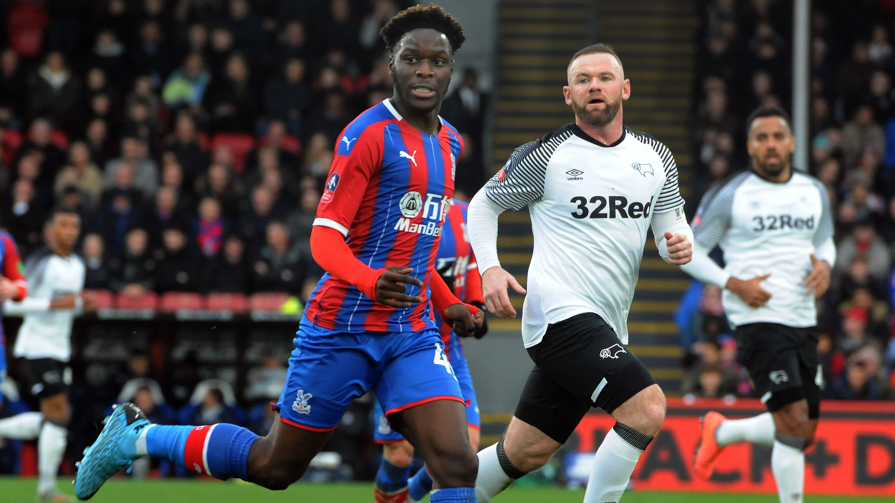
x=388 y=192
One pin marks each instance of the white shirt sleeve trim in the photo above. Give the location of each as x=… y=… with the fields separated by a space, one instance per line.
x=332 y=224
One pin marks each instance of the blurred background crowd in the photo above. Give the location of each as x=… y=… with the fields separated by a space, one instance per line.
x=194 y=137
x=745 y=60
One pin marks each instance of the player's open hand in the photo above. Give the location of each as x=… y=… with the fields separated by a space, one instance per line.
x=680 y=249
x=819 y=280
x=8 y=289
x=391 y=287
x=750 y=290
x=464 y=322
x=495 y=282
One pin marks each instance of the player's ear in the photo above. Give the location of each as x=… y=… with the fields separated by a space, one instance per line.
x=626 y=89
x=568 y=94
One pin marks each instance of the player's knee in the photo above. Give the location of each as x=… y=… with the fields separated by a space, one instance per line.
x=793 y=420
x=455 y=469
x=645 y=412
x=399 y=454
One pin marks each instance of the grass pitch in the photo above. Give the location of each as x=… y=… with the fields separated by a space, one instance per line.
x=18 y=490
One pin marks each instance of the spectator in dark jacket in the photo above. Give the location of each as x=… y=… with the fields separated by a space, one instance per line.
x=253 y=223
x=98 y=276
x=179 y=270
x=855 y=383
x=23 y=218
x=229 y=272
x=55 y=94
x=133 y=273
x=288 y=99
x=231 y=100
x=279 y=266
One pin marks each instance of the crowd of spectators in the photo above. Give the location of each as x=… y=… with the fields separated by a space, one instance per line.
x=194 y=137
x=745 y=61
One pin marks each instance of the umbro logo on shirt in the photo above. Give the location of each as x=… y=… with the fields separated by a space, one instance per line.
x=575 y=174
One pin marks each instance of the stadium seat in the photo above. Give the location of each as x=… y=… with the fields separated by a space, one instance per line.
x=234 y=302
x=290 y=144
x=268 y=301
x=60 y=139
x=241 y=144
x=148 y=300
x=177 y=301
x=104 y=298
x=11 y=141
x=26 y=27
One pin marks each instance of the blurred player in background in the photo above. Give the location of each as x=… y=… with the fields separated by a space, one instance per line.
x=368 y=324
x=456 y=264
x=776 y=230
x=56 y=278
x=12 y=287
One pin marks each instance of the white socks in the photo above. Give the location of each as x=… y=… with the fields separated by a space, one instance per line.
x=492 y=479
x=788 y=465
x=758 y=430
x=50 y=448
x=24 y=426
x=613 y=466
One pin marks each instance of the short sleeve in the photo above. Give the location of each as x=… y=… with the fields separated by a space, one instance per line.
x=354 y=163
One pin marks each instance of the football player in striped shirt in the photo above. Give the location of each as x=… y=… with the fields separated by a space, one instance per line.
x=368 y=325
x=455 y=262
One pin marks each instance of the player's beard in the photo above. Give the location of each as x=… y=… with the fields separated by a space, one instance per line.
x=770 y=170
x=597 y=118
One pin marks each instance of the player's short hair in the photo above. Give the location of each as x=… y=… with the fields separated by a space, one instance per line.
x=417 y=17
x=767 y=111
x=62 y=210
x=596 y=49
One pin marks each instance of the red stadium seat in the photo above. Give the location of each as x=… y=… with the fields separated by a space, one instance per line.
x=233 y=302
x=241 y=144
x=60 y=139
x=11 y=141
x=178 y=301
x=26 y=26
x=268 y=301
x=292 y=144
x=148 y=300
x=104 y=298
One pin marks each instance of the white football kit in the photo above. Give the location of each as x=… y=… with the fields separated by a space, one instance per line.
x=765 y=228
x=591 y=207
x=46 y=333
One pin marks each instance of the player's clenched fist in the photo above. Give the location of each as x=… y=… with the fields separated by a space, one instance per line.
x=392 y=285
x=680 y=249
x=495 y=282
x=465 y=323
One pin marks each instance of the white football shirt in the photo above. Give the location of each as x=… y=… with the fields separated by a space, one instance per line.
x=591 y=207
x=764 y=227
x=46 y=333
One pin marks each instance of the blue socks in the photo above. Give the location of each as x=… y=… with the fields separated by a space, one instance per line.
x=391 y=478
x=218 y=450
x=420 y=484
x=454 y=495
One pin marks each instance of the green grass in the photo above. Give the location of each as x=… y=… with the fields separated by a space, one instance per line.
x=117 y=491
